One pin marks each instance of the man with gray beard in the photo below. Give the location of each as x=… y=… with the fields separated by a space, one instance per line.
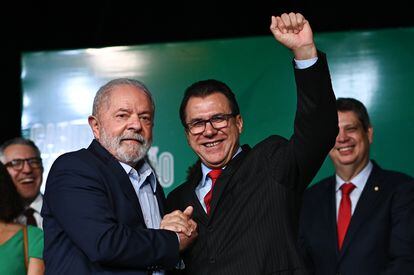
x=103 y=207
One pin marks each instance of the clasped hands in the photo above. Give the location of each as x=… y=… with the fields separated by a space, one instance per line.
x=181 y=223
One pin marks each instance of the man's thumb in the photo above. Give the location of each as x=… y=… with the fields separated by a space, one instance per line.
x=188 y=211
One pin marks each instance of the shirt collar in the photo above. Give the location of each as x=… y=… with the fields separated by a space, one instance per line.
x=37 y=203
x=144 y=172
x=359 y=180
x=205 y=170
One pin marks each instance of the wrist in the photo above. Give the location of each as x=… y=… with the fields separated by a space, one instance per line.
x=305 y=52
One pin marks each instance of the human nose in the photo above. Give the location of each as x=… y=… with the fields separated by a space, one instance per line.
x=134 y=123
x=27 y=168
x=342 y=136
x=209 y=130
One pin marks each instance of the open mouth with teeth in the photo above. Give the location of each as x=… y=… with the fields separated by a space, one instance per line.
x=212 y=144
x=345 y=149
x=27 y=180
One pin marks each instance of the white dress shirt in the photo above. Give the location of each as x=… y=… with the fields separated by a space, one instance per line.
x=36 y=205
x=359 y=181
x=145 y=186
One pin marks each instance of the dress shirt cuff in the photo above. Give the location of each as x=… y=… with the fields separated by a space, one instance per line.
x=305 y=63
x=180 y=265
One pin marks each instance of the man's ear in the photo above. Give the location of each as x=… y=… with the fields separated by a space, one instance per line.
x=239 y=123
x=370 y=133
x=94 y=124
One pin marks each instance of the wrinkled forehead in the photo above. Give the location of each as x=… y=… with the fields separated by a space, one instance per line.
x=348 y=117
x=126 y=96
x=205 y=106
x=16 y=151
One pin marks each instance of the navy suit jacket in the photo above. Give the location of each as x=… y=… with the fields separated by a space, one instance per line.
x=379 y=239
x=93 y=222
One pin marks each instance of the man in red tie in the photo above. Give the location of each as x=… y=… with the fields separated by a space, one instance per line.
x=248 y=215
x=361 y=220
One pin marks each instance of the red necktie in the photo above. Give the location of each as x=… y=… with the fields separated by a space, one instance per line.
x=344 y=213
x=213 y=175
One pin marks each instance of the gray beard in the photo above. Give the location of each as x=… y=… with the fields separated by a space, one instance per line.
x=123 y=154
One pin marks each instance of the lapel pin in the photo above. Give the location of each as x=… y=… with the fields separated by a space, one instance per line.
x=376 y=188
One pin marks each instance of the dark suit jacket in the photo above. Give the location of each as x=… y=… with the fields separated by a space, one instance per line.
x=93 y=222
x=252 y=228
x=379 y=239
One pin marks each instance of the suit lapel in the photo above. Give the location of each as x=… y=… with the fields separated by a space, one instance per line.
x=193 y=181
x=198 y=208
x=160 y=199
x=330 y=215
x=225 y=178
x=366 y=204
x=119 y=173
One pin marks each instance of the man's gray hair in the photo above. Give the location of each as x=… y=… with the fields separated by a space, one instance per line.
x=102 y=95
x=20 y=141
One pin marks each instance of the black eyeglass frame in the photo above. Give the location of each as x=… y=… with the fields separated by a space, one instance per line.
x=18 y=164
x=214 y=120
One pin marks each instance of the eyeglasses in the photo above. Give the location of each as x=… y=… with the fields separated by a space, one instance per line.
x=18 y=164
x=218 y=122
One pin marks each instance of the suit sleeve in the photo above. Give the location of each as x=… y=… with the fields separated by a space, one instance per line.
x=315 y=127
x=81 y=205
x=401 y=249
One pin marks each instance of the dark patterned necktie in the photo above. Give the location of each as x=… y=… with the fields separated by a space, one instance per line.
x=30 y=220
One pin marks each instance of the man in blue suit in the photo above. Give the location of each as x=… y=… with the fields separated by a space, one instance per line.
x=103 y=207
x=369 y=229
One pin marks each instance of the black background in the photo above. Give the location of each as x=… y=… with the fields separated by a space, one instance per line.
x=55 y=25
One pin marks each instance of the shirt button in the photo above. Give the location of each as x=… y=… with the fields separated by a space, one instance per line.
x=212 y=260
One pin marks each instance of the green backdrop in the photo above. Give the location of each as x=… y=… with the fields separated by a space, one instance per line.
x=372 y=66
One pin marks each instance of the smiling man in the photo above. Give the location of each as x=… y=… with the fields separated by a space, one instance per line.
x=23 y=162
x=103 y=208
x=359 y=221
x=246 y=200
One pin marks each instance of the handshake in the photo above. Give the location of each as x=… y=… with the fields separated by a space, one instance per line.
x=181 y=223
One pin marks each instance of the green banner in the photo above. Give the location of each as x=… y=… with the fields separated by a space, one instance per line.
x=372 y=66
